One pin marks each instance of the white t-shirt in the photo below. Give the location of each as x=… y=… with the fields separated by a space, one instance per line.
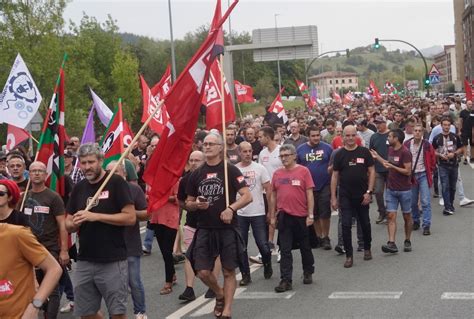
x=255 y=176
x=271 y=161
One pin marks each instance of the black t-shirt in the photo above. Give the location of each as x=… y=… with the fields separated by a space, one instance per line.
x=132 y=233
x=379 y=143
x=191 y=217
x=353 y=171
x=256 y=149
x=208 y=181
x=15 y=218
x=41 y=210
x=445 y=144
x=22 y=185
x=101 y=242
x=467 y=122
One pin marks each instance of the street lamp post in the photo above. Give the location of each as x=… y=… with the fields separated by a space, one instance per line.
x=173 y=60
x=278 y=53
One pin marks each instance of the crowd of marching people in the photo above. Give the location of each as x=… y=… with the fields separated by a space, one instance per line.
x=281 y=181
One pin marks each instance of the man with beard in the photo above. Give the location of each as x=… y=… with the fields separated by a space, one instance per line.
x=102 y=269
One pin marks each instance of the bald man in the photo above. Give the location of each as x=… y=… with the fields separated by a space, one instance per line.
x=354 y=173
x=44 y=212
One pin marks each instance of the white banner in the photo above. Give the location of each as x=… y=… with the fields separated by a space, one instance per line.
x=20 y=98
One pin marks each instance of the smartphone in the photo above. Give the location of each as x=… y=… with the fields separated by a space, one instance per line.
x=201 y=199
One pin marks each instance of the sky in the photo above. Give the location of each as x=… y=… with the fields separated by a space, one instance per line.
x=341 y=24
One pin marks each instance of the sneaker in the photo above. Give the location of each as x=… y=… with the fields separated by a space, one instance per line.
x=447 y=212
x=426 y=231
x=246 y=280
x=380 y=219
x=69 y=307
x=284 y=285
x=178 y=258
x=416 y=226
x=390 y=247
x=441 y=201
x=340 y=250
x=407 y=245
x=146 y=252
x=326 y=243
x=435 y=195
x=466 y=201
x=141 y=316
x=210 y=294
x=278 y=257
x=360 y=247
x=188 y=294
x=307 y=278
x=465 y=161
x=256 y=259
x=267 y=271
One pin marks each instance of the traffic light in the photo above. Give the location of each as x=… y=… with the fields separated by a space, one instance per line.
x=427 y=81
x=376 y=44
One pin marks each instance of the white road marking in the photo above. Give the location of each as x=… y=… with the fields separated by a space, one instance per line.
x=458 y=295
x=265 y=295
x=209 y=307
x=366 y=295
x=181 y=312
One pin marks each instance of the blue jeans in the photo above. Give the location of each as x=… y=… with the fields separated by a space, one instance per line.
x=65 y=285
x=148 y=241
x=448 y=175
x=136 y=285
x=422 y=189
x=259 y=230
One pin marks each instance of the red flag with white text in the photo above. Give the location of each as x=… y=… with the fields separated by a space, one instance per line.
x=243 y=93
x=183 y=102
x=15 y=136
x=160 y=89
x=150 y=103
x=375 y=92
x=213 y=99
x=277 y=108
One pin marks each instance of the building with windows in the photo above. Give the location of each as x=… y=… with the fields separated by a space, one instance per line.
x=464 y=39
x=445 y=61
x=334 y=81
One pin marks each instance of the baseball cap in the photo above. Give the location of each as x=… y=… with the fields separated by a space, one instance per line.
x=380 y=119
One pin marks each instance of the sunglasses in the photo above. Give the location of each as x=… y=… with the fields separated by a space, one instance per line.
x=2 y=193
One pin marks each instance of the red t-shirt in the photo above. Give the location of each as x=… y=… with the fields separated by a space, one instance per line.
x=397 y=181
x=290 y=187
x=337 y=142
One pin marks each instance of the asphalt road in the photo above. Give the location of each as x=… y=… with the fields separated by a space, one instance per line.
x=435 y=280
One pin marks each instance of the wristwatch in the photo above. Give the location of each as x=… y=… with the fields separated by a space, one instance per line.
x=37 y=303
x=369 y=192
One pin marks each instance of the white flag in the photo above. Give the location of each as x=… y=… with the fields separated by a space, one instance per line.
x=105 y=114
x=20 y=98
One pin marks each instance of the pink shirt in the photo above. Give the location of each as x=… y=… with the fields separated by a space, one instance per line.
x=290 y=187
x=168 y=215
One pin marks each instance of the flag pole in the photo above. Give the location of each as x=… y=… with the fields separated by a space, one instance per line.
x=240 y=111
x=45 y=123
x=226 y=173
x=124 y=154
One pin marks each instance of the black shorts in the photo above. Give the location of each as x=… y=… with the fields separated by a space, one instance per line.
x=322 y=203
x=208 y=244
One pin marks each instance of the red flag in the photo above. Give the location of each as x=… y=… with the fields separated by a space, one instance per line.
x=15 y=136
x=112 y=141
x=51 y=143
x=348 y=98
x=376 y=94
x=158 y=123
x=336 y=97
x=127 y=134
x=468 y=89
x=183 y=101
x=219 y=46
x=160 y=89
x=243 y=93
x=310 y=102
x=278 y=108
x=213 y=99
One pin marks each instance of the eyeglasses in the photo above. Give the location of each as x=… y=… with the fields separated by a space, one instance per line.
x=210 y=144
x=285 y=155
x=37 y=171
x=3 y=193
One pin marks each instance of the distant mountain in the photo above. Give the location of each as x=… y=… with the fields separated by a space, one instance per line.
x=432 y=51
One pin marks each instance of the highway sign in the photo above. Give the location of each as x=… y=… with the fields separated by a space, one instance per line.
x=434 y=70
x=434 y=78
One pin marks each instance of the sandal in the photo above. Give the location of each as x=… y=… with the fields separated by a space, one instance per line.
x=166 y=290
x=219 y=307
